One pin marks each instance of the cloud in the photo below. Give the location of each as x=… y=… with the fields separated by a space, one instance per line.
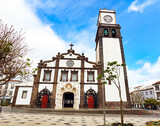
x=147 y=75
x=43 y=41
x=125 y=42
x=139 y=7
x=41 y=38
x=140 y=62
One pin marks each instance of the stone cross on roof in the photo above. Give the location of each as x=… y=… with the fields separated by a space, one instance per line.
x=71 y=46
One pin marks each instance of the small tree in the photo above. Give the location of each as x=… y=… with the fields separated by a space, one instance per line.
x=12 y=52
x=112 y=74
x=151 y=102
x=137 y=98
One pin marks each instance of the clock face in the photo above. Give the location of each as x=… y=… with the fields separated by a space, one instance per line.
x=70 y=63
x=108 y=18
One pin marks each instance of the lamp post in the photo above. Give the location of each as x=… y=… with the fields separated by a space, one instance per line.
x=104 y=114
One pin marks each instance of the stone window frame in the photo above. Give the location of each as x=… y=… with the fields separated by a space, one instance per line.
x=12 y=86
x=90 y=72
x=24 y=96
x=158 y=95
x=64 y=72
x=10 y=93
x=46 y=72
x=157 y=87
x=150 y=92
x=74 y=72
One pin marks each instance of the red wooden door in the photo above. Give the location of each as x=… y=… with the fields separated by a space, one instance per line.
x=90 y=101
x=44 y=101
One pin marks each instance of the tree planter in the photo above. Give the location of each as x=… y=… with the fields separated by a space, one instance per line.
x=119 y=124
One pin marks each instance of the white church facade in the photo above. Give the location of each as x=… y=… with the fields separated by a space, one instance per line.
x=69 y=80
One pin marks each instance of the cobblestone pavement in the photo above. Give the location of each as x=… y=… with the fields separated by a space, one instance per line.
x=39 y=119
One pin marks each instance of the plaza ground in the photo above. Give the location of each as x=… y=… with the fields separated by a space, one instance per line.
x=9 y=117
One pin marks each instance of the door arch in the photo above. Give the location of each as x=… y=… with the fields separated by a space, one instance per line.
x=91 y=99
x=43 y=98
x=68 y=100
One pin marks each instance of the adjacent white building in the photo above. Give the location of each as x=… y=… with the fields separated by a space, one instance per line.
x=156 y=87
x=148 y=92
x=10 y=89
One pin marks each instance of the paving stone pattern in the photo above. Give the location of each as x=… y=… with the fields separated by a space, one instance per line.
x=31 y=119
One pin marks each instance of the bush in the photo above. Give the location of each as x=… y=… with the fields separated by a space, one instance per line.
x=153 y=123
x=5 y=103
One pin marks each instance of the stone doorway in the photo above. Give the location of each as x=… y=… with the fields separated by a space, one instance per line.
x=91 y=99
x=68 y=100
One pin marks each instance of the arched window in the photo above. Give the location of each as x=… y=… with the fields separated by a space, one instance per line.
x=113 y=33
x=105 y=32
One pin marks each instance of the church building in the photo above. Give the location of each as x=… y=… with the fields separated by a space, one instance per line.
x=69 y=80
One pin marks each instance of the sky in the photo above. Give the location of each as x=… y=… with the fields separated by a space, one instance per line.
x=51 y=25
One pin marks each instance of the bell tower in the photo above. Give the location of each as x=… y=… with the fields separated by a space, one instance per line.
x=109 y=48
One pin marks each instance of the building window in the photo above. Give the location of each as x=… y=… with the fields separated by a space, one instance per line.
x=113 y=33
x=74 y=75
x=64 y=75
x=10 y=92
x=142 y=94
x=158 y=95
x=12 y=86
x=0 y=87
x=0 y=92
x=150 y=92
x=157 y=87
x=105 y=32
x=47 y=75
x=146 y=93
x=90 y=76
x=24 y=94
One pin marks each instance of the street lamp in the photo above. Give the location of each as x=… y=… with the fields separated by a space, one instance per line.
x=103 y=87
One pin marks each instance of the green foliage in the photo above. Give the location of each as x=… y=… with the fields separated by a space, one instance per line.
x=111 y=72
x=153 y=123
x=34 y=70
x=151 y=101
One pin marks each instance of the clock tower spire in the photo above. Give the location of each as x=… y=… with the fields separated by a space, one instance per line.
x=109 y=48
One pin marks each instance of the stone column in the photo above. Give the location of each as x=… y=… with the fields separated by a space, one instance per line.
x=100 y=91
x=82 y=85
x=15 y=96
x=35 y=86
x=55 y=83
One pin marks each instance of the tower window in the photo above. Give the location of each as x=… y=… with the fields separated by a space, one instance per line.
x=113 y=33
x=105 y=32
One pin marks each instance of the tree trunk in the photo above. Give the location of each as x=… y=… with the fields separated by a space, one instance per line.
x=121 y=110
x=4 y=94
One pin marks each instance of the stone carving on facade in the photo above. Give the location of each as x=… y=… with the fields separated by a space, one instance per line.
x=64 y=88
